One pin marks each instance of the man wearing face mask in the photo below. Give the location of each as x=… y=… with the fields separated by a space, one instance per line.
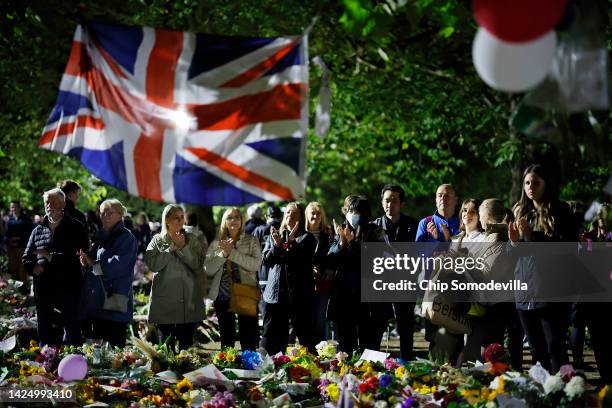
x=399 y=228
x=359 y=325
x=52 y=257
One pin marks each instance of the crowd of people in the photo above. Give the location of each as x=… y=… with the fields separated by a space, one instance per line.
x=303 y=274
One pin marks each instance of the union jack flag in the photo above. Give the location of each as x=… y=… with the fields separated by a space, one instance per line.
x=184 y=117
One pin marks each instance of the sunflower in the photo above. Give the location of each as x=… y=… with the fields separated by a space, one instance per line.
x=184 y=386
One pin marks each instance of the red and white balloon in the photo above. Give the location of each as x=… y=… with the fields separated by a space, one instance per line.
x=515 y=46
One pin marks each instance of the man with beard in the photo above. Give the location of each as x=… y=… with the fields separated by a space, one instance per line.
x=52 y=257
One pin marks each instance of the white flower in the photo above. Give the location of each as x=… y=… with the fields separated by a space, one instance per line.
x=575 y=387
x=491 y=404
x=553 y=384
x=381 y=404
x=341 y=356
x=538 y=373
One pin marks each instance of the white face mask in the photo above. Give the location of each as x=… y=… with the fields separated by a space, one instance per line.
x=353 y=219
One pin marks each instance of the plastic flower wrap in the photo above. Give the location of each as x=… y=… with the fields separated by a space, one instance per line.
x=327 y=349
x=251 y=360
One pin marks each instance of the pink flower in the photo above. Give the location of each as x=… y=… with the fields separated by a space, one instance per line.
x=566 y=372
x=391 y=364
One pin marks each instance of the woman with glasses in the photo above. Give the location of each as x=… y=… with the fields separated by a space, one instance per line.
x=234 y=257
x=111 y=262
x=177 y=295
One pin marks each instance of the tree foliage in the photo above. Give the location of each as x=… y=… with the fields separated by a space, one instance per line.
x=408 y=106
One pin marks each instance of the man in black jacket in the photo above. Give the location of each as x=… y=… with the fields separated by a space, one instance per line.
x=72 y=190
x=399 y=228
x=52 y=257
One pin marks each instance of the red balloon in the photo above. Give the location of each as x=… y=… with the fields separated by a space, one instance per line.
x=518 y=20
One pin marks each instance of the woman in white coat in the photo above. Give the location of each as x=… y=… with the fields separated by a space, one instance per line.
x=233 y=257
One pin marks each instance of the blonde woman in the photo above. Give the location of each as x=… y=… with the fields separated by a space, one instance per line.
x=233 y=257
x=177 y=298
x=316 y=224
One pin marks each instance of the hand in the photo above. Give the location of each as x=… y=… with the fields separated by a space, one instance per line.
x=44 y=253
x=226 y=245
x=432 y=229
x=446 y=232
x=524 y=228
x=275 y=236
x=513 y=233
x=38 y=269
x=293 y=231
x=84 y=258
x=178 y=239
x=347 y=235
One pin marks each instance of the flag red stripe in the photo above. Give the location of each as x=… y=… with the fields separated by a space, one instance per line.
x=243 y=174
x=147 y=163
x=162 y=67
x=69 y=127
x=283 y=102
x=78 y=62
x=259 y=69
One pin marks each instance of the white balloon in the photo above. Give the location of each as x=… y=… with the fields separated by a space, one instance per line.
x=513 y=67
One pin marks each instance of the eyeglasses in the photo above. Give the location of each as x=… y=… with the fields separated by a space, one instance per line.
x=108 y=213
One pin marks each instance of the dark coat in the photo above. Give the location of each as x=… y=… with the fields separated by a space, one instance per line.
x=345 y=295
x=290 y=269
x=18 y=230
x=73 y=212
x=404 y=232
x=530 y=266
x=115 y=253
x=62 y=275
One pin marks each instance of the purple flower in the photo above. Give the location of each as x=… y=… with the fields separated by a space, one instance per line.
x=407 y=402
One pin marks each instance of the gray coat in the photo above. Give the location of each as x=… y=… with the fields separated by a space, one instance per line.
x=177 y=295
x=247 y=255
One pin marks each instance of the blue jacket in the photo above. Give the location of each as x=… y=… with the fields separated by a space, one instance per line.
x=115 y=254
x=452 y=224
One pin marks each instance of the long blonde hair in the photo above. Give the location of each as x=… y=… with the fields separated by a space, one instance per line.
x=167 y=213
x=223 y=230
x=314 y=205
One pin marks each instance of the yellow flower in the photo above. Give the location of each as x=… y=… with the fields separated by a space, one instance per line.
x=184 y=386
x=426 y=389
x=34 y=346
x=168 y=392
x=400 y=371
x=333 y=392
x=601 y=395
